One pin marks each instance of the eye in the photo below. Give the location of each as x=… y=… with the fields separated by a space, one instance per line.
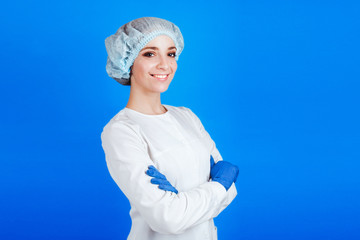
x=173 y=54
x=148 y=54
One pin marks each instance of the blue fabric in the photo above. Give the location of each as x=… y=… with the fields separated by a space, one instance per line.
x=160 y=180
x=124 y=46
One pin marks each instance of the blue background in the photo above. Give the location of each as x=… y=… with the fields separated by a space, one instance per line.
x=275 y=83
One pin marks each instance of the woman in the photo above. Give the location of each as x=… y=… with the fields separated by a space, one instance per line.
x=160 y=155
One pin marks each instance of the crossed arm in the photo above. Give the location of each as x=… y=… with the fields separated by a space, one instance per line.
x=223 y=172
x=164 y=211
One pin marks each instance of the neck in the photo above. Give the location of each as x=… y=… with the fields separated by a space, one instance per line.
x=146 y=103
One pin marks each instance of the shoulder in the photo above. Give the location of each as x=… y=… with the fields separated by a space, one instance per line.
x=120 y=126
x=121 y=135
x=181 y=110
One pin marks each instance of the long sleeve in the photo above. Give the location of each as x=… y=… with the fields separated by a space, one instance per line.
x=165 y=212
x=232 y=192
x=211 y=144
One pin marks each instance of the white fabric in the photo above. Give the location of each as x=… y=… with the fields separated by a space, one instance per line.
x=177 y=144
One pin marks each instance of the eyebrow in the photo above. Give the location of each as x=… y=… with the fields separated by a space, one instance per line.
x=155 y=48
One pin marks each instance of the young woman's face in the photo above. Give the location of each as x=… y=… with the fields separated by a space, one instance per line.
x=155 y=66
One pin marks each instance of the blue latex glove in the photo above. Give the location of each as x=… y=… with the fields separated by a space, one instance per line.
x=212 y=162
x=160 y=180
x=224 y=173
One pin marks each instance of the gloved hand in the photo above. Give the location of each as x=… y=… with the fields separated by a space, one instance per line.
x=160 y=179
x=224 y=173
x=212 y=162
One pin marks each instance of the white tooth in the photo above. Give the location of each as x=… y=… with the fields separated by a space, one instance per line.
x=160 y=76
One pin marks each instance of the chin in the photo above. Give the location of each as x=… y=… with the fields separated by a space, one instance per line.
x=163 y=89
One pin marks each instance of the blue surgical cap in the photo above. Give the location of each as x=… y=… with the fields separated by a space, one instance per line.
x=124 y=46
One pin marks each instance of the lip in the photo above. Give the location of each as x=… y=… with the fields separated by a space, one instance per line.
x=160 y=79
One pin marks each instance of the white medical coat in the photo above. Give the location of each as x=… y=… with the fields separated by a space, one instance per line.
x=177 y=144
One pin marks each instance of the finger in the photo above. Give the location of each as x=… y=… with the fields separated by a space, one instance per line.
x=237 y=173
x=165 y=187
x=153 y=172
x=152 y=167
x=168 y=188
x=159 y=181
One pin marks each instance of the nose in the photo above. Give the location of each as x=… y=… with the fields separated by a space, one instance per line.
x=163 y=62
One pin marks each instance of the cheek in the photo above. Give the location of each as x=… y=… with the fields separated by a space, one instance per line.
x=174 y=66
x=140 y=68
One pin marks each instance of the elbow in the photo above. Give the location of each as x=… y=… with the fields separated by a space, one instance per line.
x=167 y=227
x=168 y=215
x=174 y=227
x=166 y=220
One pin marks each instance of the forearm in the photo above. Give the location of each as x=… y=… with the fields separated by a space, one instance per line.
x=164 y=211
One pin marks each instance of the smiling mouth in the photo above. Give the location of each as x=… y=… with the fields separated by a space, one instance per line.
x=160 y=76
